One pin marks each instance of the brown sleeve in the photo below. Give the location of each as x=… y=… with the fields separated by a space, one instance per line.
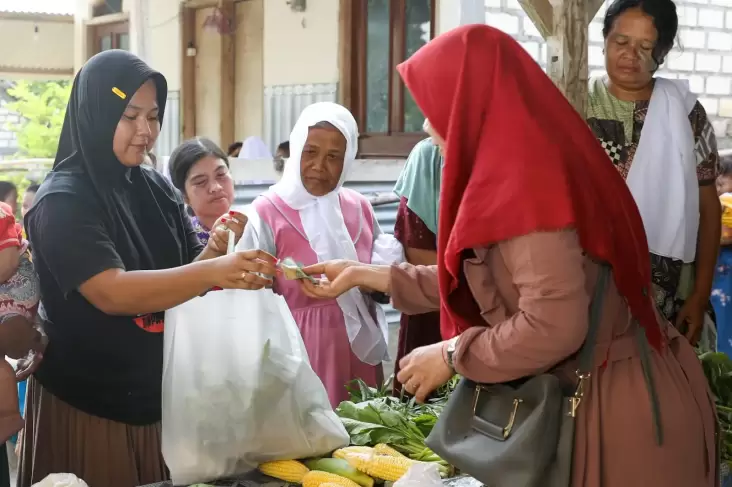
x=414 y=288
x=551 y=323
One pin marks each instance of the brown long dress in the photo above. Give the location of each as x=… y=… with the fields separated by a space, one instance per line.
x=119 y=455
x=533 y=293
x=414 y=330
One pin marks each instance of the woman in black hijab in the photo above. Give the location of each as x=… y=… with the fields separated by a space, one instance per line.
x=113 y=249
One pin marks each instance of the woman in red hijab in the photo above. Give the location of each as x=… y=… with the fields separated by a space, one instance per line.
x=529 y=207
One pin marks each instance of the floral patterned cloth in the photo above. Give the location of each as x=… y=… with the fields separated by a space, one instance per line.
x=201 y=230
x=722 y=300
x=414 y=330
x=20 y=294
x=618 y=125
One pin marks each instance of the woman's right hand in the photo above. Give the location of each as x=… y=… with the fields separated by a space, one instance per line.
x=241 y=270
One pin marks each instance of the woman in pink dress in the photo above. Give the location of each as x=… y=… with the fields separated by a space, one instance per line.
x=310 y=217
x=529 y=208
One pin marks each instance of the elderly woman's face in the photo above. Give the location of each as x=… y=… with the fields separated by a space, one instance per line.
x=322 y=159
x=209 y=188
x=629 y=49
x=139 y=127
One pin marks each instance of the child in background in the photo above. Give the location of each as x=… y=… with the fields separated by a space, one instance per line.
x=19 y=296
x=722 y=286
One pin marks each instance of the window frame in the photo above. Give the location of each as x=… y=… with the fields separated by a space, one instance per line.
x=353 y=43
x=115 y=29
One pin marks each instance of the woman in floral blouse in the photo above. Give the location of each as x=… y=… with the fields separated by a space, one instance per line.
x=658 y=136
x=200 y=170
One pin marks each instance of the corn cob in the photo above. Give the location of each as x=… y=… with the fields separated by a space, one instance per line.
x=342 y=452
x=380 y=466
x=330 y=484
x=316 y=478
x=287 y=470
x=340 y=467
x=384 y=449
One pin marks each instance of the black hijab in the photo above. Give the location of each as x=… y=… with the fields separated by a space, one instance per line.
x=139 y=207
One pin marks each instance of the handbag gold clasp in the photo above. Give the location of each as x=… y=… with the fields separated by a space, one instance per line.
x=511 y=418
x=578 y=393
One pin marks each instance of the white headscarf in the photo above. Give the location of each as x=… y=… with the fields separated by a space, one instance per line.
x=254 y=148
x=326 y=230
x=666 y=153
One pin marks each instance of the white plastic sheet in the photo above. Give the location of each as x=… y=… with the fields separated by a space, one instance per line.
x=238 y=389
x=421 y=475
x=61 y=480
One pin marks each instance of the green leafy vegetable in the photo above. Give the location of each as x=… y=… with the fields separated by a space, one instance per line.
x=718 y=370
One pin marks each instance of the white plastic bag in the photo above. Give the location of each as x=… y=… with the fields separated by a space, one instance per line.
x=61 y=480
x=238 y=389
x=424 y=474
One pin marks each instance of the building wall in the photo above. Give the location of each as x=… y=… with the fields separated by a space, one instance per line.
x=703 y=56
x=52 y=47
x=249 y=75
x=301 y=48
x=8 y=141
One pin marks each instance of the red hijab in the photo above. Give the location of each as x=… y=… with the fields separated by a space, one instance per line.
x=519 y=159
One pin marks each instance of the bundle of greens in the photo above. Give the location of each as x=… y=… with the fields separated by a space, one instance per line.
x=718 y=370
x=373 y=416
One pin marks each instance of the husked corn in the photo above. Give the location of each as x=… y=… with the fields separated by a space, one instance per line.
x=316 y=478
x=287 y=470
x=342 y=452
x=382 y=467
x=384 y=449
x=330 y=484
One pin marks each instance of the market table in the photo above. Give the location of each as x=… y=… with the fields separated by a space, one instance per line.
x=258 y=480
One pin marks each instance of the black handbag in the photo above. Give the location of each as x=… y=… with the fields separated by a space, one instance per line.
x=518 y=434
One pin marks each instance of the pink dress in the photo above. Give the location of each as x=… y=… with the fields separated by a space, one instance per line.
x=321 y=322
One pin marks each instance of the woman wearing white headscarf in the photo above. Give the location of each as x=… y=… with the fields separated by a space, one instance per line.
x=253 y=149
x=310 y=217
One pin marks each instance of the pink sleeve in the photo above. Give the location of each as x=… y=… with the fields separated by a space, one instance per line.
x=551 y=323
x=414 y=288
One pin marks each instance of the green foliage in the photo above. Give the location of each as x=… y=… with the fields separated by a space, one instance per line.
x=42 y=106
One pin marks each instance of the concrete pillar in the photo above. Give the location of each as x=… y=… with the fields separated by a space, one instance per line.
x=454 y=13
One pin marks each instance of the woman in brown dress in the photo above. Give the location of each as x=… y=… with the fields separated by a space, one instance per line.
x=524 y=223
x=625 y=110
x=418 y=187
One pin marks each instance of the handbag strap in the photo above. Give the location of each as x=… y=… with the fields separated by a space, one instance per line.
x=587 y=354
x=586 y=358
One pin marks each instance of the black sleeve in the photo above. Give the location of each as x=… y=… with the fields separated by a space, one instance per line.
x=193 y=243
x=71 y=240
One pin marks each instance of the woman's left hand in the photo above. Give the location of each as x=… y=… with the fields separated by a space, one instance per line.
x=340 y=278
x=424 y=370
x=690 y=320
x=218 y=240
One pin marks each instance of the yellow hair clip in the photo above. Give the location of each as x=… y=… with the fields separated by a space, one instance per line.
x=119 y=92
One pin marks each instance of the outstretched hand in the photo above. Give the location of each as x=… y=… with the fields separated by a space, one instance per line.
x=337 y=281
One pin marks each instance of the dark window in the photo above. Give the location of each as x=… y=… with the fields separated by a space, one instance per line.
x=107 y=7
x=383 y=33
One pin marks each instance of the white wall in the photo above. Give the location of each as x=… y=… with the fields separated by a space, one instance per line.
x=163 y=38
x=51 y=47
x=300 y=47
